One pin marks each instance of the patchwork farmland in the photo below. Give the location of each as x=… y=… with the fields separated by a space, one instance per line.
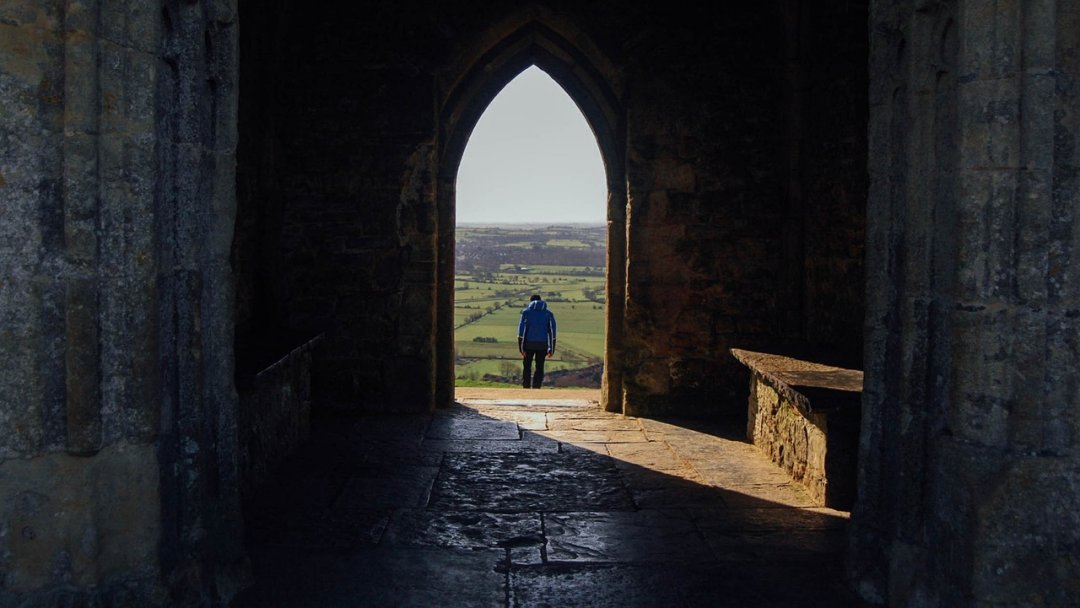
x=498 y=267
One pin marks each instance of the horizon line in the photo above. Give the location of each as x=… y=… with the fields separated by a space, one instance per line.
x=518 y=223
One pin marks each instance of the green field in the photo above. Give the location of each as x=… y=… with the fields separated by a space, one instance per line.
x=488 y=305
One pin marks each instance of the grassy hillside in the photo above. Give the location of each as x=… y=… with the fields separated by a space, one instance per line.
x=495 y=281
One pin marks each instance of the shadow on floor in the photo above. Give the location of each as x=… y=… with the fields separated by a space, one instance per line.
x=536 y=506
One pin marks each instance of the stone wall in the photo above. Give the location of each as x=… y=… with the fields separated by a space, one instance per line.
x=256 y=252
x=971 y=468
x=832 y=177
x=705 y=142
x=747 y=188
x=78 y=407
x=337 y=195
x=792 y=438
x=117 y=440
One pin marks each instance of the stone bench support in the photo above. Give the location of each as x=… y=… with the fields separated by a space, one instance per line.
x=805 y=417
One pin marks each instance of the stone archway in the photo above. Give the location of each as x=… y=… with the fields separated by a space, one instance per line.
x=576 y=71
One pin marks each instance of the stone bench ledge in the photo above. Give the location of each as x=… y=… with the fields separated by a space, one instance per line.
x=787 y=373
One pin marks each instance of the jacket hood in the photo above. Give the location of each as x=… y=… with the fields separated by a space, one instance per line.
x=537 y=305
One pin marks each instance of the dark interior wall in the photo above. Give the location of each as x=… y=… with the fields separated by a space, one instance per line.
x=706 y=125
x=337 y=220
x=748 y=182
x=833 y=177
x=336 y=231
x=256 y=257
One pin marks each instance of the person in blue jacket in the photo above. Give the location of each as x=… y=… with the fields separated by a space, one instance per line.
x=536 y=339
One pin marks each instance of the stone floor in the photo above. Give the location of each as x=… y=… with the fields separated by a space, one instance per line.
x=537 y=499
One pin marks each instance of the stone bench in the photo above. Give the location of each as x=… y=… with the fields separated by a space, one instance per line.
x=805 y=416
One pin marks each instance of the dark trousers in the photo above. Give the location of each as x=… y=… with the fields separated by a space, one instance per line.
x=538 y=376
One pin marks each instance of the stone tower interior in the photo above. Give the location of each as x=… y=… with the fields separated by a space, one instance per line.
x=191 y=188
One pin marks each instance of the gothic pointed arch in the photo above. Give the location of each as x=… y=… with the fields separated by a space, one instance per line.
x=532 y=44
x=575 y=67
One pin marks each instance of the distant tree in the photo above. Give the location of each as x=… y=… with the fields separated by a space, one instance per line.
x=509 y=370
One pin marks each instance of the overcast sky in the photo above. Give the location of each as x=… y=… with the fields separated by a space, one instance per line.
x=531 y=158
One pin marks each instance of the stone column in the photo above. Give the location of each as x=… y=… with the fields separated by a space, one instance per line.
x=117 y=434
x=195 y=211
x=79 y=474
x=970 y=470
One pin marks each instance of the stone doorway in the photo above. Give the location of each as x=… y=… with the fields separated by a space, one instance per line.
x=531 y=221
x=574 y=69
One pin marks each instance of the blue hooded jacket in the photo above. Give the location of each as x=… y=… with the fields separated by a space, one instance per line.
x=537 y=324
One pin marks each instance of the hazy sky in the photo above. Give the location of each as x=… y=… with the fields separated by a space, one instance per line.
x=531 y=158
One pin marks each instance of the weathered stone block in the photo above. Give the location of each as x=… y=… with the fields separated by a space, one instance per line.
x=982 y=392
x=990 y=115
x=83 y=521
x=1028 y=529
x=993 y=44
x=82 y=357
x=986 y=215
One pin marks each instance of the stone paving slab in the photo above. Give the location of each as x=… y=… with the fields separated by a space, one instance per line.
x=526 y=468
x=564 y=423
x=679 y=496
x=467 y=428
x=418 y=577
x=739 y=476
x=768 y=545
x=563 y=509
x=596 y=449
x=630 y=586
x=403 y=486
x=720 y=585
x=583 y=413
x=528 y=482
x=689 y=432
x=771 y=518
x=749 y=496
x=323 y=529
x=595 y=436
x=515 y=498
x=654 y=456
x=775 y=584
x=389 y=454
x=393 y=426
x=526 y=420
x=529 y=403
x=465 y=529
x=633 y=536
x=640 y=478
x=488 y=446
